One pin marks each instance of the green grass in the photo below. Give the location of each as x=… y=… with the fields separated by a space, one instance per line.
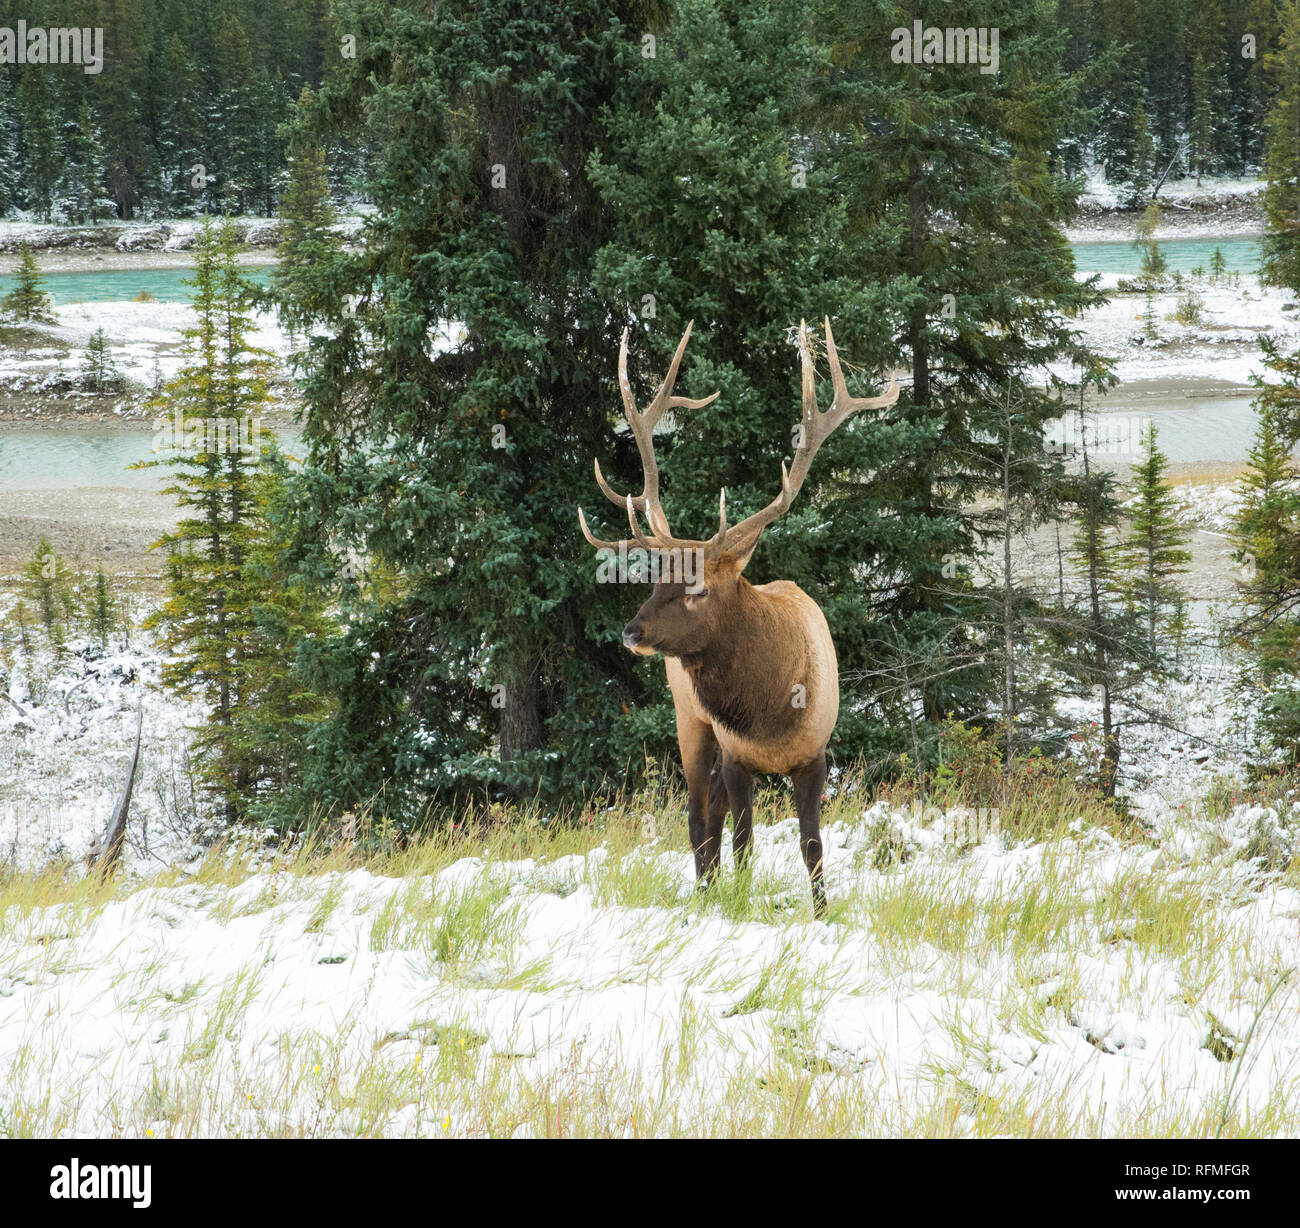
x=739 y=982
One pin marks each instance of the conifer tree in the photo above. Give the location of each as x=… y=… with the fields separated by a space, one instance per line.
x=102 y=610
x=1179 y=626
x=206 y=620
x=1154 y=267
x=129 y=158
x=1119 y=122
x=79 y=189
x=1255 y=85
x=1142 y=164
x=1265 y=529
x=239 y=107
x=273 y=105
x=1266 y=534
x=279 y=673
x=1153 y=549
x=49 y=583
x=1280 y=391
x=1100 y=641
x=1150 y=322
x=27 y=301
x=98 y=370
x=178 y=129
x=1280 y=264
x=23 y=627
x=307 y=217
x=1026 y=501
x=10 y=162
x=39 y=133
x=1212 y=145
x=1201 y=153
x=1167 y=77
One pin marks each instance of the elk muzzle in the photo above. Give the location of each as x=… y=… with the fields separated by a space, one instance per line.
x=634 y=639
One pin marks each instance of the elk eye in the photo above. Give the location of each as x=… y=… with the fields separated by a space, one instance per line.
x=697 y=594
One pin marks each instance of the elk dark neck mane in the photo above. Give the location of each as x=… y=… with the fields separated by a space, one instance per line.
x=744 y=679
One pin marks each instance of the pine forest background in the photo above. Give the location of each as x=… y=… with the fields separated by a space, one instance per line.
x=409 y=617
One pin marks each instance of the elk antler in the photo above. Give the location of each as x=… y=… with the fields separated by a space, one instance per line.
x=740 y=539
x=816 y=427
x=642 y=425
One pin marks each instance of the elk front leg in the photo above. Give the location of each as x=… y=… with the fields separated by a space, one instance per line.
x=740 y=793
x=808 y=782
x=699 y=749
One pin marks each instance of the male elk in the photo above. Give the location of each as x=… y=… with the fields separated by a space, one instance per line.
x=752 y=668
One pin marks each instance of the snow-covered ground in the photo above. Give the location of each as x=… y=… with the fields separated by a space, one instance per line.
x=1100 y=194
x=1070 y=986
x=139 y=335
x=166 y=234
x=64 y=246
x=1077 y=987
x=67 y=731
x=1223 y=346
x=1216 y=207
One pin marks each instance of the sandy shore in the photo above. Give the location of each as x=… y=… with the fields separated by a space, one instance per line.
x=1140 y=391
x=94 y=525
x=110 y=526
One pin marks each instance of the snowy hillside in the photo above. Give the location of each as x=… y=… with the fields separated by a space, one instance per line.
x=570 y=982
x=1059 y=989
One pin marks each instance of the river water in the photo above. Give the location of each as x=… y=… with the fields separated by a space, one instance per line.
x=120 y=286
x=70 y=457
x=1182 y=255
x=168 y=285
x=1194 y=429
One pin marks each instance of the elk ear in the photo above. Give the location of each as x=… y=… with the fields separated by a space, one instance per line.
x=743 y=551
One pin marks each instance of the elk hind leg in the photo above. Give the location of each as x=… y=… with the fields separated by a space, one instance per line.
x=808 y=782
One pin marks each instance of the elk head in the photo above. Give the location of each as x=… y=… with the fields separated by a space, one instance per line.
x=698 y=580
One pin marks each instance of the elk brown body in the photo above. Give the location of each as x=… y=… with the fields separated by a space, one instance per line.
x=752 y=668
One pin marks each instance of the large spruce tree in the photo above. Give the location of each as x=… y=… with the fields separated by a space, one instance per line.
x=454 y=410
x=546 y=177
